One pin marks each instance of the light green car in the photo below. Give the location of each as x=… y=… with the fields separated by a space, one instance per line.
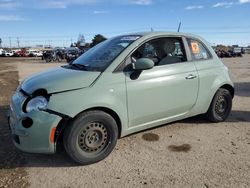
x=124 y=85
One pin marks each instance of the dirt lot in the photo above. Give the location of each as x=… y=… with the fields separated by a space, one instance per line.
x=189 y=153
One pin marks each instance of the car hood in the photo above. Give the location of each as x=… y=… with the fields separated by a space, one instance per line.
x=59 y=80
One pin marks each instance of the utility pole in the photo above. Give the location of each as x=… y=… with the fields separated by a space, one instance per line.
x=1 y=42
x=18 y=42
x=10 y=41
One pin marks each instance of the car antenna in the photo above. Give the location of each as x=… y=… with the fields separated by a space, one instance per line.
x=179 y=27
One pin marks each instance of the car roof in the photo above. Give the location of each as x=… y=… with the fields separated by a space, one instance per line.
x=160 y=33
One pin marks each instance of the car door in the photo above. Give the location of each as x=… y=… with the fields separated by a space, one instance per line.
x=167 y=90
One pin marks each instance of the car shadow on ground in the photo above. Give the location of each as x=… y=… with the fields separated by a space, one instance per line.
x=235 y=116
x=242 y=89
x=11 y=158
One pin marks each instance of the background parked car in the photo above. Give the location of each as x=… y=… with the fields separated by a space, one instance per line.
x=20 y=53
x=2 y=52
x=53 y=55
x=72 y=54
x=223 y=51
x=9 y=53
x=238 y=51
x=34 y=53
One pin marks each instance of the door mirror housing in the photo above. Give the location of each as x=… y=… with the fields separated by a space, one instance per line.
x=143 y=64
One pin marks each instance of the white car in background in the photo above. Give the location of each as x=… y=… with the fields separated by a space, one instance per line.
x=9 y=53
x=38 y=53
x=2 y=52
x=35 y=53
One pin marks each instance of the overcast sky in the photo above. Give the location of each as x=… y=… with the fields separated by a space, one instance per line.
x=59 y=21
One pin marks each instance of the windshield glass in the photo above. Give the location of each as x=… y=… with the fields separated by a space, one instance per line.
x=101 y=56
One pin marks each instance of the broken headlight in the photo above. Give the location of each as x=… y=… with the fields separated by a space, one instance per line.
x=37 y=103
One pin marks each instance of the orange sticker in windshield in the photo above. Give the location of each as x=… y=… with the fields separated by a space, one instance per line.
x=195 y=47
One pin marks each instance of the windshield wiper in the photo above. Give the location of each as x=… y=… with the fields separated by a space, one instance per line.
x=79 y=66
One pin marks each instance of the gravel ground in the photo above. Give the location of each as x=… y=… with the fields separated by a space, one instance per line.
x=12 y=172
x=188 y=153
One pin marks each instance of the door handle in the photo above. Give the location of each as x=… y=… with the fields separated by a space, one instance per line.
x=190 y=76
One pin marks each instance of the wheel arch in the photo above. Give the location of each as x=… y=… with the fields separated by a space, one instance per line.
x=226 y=86
x=65 y=121
x=110 y=112
x=229 y=88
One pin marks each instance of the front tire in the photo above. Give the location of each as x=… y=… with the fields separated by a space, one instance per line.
x=220 y=106
x=91 y=137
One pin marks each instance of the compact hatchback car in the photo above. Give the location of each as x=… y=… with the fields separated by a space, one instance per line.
x=123 y=85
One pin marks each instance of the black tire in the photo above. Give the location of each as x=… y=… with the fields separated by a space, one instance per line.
x=59 y=59
x=220 y=106
x=48 y=59
x=91 y=137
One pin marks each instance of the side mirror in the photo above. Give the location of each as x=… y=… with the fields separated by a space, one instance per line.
x=143 y=64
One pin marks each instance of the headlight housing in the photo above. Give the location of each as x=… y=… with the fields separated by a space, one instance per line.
x=37 y=103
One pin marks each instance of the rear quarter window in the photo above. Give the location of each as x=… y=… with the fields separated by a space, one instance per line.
x=198 y=50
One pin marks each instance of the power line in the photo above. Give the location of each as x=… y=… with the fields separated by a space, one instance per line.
x=64 y=39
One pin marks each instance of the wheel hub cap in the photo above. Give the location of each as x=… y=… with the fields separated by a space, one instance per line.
x=93 y=137
x=221 y=105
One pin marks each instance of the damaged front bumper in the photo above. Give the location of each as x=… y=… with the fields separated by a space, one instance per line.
x=32 y=131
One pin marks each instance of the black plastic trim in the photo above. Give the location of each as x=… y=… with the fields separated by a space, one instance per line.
x=56 y=113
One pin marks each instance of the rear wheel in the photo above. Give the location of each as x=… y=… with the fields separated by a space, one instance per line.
x=91 y=137
x=220 y=106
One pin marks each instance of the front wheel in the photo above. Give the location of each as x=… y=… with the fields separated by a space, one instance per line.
x=91 y=137
x=220 y=106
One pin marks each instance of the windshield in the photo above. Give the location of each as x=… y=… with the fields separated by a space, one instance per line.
x=101 y=56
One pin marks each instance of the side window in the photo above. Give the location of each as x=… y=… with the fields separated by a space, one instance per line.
x=198 y=50
x=149 y=51
x=162 y=51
